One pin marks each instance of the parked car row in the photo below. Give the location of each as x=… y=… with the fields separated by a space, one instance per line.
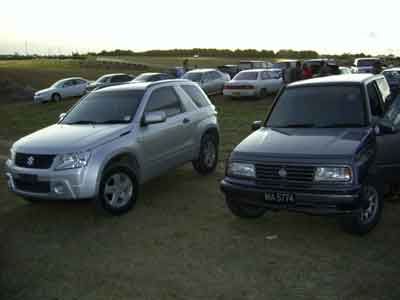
x=328 y=146
x=213 y=81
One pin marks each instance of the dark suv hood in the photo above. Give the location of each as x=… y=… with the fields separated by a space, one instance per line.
x=303 y=142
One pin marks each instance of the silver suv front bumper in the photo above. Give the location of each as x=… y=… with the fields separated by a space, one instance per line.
x=49 y=184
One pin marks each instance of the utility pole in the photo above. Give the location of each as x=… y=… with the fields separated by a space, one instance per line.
x=26 y=48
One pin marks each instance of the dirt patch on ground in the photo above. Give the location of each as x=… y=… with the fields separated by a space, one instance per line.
x=12 y=91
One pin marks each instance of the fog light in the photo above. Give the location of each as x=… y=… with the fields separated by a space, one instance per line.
x=58 y=189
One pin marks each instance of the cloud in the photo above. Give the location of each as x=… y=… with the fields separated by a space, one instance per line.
x=373 y=35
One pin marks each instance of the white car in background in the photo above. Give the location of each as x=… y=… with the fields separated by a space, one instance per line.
x=64 y=88
x=254 y=83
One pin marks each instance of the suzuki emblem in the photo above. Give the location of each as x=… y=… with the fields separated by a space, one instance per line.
x=30 y=161
x=282 y=173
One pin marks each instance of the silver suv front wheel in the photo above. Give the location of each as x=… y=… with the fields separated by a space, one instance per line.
x=118 y=190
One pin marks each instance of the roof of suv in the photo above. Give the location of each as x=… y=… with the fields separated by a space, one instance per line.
x=335 y=79
x=201 y=70
x=129 y=86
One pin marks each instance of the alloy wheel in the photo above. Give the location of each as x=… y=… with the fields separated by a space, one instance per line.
x=118 y=190
x=368 y=213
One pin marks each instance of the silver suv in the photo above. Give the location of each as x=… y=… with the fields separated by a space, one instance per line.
x=115 y=139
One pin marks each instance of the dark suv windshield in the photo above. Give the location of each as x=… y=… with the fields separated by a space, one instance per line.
x=322 y=106
x=105 y=107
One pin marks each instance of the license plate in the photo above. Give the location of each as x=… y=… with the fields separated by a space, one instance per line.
x=236 y=94
x=280 y=197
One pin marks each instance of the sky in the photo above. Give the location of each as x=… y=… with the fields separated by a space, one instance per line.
x=328 y=26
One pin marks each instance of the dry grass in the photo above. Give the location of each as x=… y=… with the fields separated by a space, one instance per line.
x=181 y=242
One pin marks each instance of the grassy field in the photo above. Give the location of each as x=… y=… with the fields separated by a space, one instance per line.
x=180 y=241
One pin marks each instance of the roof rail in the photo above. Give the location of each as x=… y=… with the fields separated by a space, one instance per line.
x=155 y=83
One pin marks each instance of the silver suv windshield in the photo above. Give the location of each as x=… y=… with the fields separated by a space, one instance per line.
x=105 y=107
x=319 y=106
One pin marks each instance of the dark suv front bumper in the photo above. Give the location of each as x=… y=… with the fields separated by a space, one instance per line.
x=311 y=201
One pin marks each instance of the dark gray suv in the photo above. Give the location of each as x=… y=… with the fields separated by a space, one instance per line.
x=327 y=147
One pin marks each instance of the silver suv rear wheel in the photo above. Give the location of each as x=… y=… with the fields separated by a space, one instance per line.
x=208 y=157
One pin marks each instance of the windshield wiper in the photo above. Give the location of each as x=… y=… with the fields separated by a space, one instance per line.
x=340 y=125
x=296 y=125
x=81 y=122
x=114 y=122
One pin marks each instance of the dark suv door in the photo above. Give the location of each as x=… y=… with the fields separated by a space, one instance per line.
x=388 y=156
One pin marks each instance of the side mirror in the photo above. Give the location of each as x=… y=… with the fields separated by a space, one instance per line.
x=61 y=117
x=385 y=127
x=154 y=117
x=256 y=125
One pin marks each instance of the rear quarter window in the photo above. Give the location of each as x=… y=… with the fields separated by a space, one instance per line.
x=383 y=88
x=196 y=95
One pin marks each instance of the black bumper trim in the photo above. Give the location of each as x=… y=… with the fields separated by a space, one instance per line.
x=314 y=203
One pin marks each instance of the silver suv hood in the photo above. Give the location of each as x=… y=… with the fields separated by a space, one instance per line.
x=59 y=138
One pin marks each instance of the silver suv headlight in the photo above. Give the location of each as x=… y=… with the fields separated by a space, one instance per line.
x=241 y=169
x=333 y=174
x=72 y=160
x=11 y=156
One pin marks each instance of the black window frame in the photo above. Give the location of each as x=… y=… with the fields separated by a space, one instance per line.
x=374 y=85
x=124 y=76
x=181 y=107
x=198 y=105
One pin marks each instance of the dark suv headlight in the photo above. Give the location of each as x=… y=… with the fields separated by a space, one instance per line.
x=333 y=174
x=239 y=169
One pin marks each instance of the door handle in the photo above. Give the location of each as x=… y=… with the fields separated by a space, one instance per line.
x=185 y=121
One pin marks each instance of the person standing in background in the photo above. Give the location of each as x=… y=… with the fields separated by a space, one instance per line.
x=307 y=72
x=299 y=71
x=185 y=65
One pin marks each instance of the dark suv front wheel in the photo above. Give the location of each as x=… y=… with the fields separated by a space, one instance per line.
x=243 y=210
x=370 y=213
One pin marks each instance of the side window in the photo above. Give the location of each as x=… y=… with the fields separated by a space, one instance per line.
x=214 y=75
x=393 y=114
x=196 y=95
x=165 y=99
x=68 y=83
x=120 y=78
x=384 y=88
x=207 y=76
x=265 y=76
x=374 y=100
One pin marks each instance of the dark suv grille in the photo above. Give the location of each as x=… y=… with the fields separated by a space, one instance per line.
x=278 y=175
x=34 y=161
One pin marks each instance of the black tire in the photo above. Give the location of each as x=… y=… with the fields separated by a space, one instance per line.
x=207 y=162
x=31 y=200
x=369 y=216
x=56 y=97
x=263 y=93
x=102 y=201
x=245 y=211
